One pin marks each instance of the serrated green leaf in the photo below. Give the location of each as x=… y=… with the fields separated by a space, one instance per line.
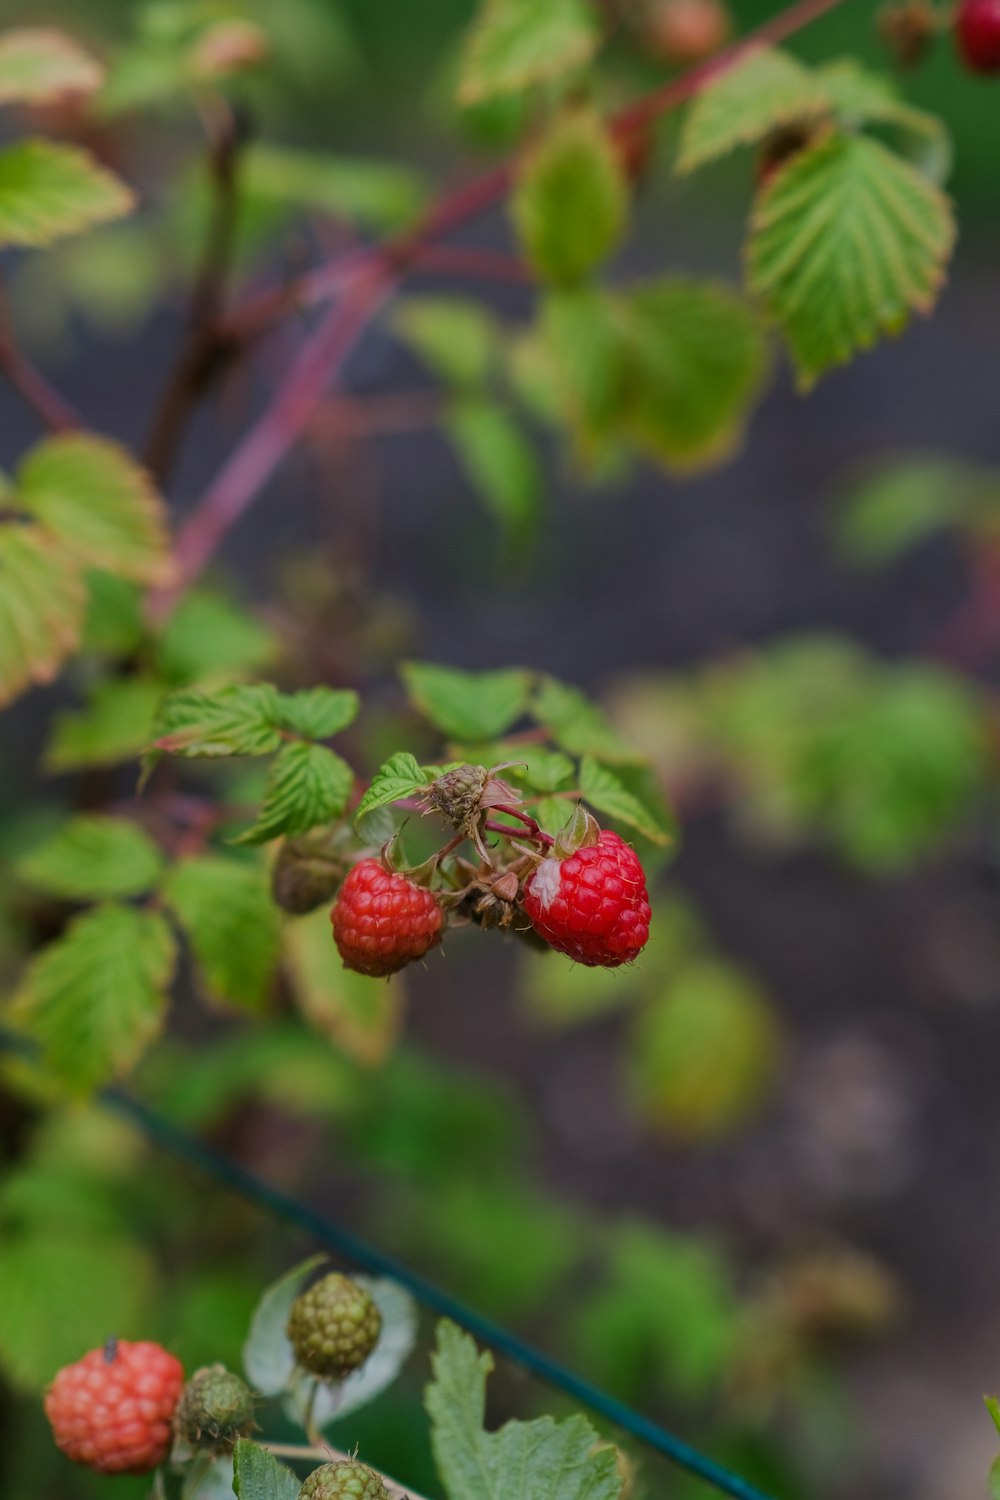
x=94 y=856
x=209 y=635
x=570 y=199
x=378 y=195
x=95 y=998
x=455 y=336
x=41 y=65
x=468 y=706
x=846 y=241
x=257 y=1474
x=361 y=1016
x=95 y=499
x=705 y=1053
x=42 y=602
x=606 y=791
x=766 y=90
x=225 y=909
x=540 y=1460
x=268 y=1359
x=115 y=725
x=515 y=43
x=502 y=465
x=238 y=720
x=64 y=1292
x=318 y=713
x=48 y=190
x=696 y=362
x=306 y=785
x=400 y=776
x=577 y=724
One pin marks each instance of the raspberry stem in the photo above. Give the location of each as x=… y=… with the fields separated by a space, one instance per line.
x=533 y=830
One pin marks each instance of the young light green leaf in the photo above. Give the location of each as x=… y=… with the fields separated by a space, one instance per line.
x=397 y=1337
x=96 y=997
x=767 y=89
x=575 y=723
x=583 y=338
x=570 y=200
x=455 y=336
x=42 y=602
x=306 y=785
x=267 y=1355
x=502 y=465
x=469 y=706
x=225 y=909
x=92 y=857
x=859 y=97
x=515 y=43
x=209 y=635
x=318 y=712
x=239 y=720
x=846 y=241
x=696 y=362
x=42 y=66
x=48 y=190
x=543 y=770
x=115 y=725
x=608 y=793
x=91 y=495
x=400 y=776
x=257 y=1474
x=540 y=1460
x=904 y=500
x=361 y=1016
x=378 y=195
x=705 y=1054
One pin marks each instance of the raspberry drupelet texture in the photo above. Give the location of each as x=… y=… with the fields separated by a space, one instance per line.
x=113 y=1410
x=592 y=906
x=382 y=921
x=347 y=1480
x=977 y=31
x=333 y=1327
x=216 y=1407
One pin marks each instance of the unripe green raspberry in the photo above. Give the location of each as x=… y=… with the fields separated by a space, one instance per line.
x=215 y=1409
x=333 y=1327
x=347 y=1480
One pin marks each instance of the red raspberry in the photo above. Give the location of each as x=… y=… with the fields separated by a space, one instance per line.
x=977 y=32
x=592 y=905
x=113 y=1410
x=382 y=922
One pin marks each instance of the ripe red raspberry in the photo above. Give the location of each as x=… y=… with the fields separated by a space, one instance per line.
x=593 y=905
x=382 y=921
x=113 y=1410
x=977 y=31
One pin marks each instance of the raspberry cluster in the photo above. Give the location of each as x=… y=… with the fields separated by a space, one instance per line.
x=582 y=894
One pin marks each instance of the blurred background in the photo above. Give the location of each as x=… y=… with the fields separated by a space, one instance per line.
x=749 y=1188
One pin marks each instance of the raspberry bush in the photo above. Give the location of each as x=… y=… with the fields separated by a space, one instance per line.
x=279 y=811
